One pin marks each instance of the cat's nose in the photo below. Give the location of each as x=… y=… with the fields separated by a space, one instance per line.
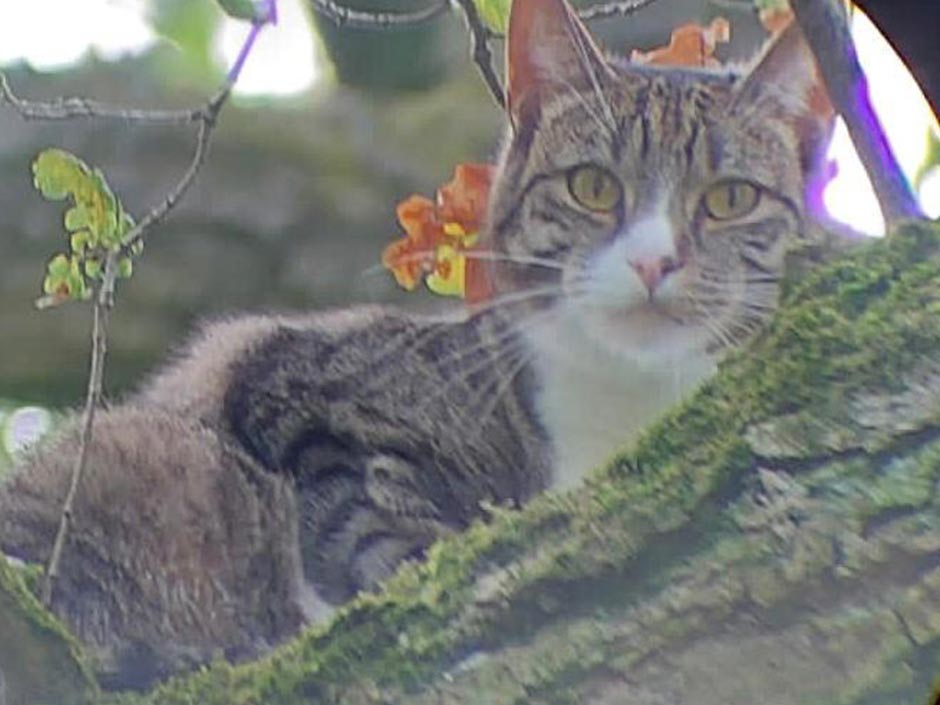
x=653 y=270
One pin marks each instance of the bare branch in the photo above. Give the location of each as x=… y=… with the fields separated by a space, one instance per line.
x=482 y=56
x=71 y=108
x=208 y=116
x=825 y=25
x=104 y=300
x=345 y=17
x=612 y=9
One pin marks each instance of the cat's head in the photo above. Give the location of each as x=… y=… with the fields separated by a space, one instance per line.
x=654 y=206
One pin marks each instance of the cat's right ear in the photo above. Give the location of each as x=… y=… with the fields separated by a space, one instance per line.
x=548 y=49
x=786 y=74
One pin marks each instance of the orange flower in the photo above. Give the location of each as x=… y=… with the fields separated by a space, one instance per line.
x=439 y=234
x=690 y=45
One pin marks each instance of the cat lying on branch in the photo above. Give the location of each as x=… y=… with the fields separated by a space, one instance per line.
x=640 y=222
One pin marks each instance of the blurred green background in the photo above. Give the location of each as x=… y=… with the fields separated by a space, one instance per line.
x=297 y=197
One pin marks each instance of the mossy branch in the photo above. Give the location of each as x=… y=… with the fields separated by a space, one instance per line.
x=774 y=540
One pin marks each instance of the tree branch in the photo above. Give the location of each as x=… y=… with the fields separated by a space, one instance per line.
x=612 y=9
x=104 y=301
x=360 y=19
x=482 y=56
x=71 y=108
x=825 y=25
x=208 y=115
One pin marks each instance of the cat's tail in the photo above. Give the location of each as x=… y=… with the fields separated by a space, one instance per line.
x=179 y=545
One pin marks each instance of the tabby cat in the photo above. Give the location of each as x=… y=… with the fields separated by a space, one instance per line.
x=638 y=228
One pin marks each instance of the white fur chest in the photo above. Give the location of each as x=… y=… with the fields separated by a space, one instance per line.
x=592 y=402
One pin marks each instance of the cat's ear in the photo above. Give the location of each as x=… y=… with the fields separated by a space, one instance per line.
x=786 y=74
x=548 y=49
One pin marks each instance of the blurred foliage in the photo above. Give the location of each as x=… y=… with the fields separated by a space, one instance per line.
x=495 y=13
x=243 y=9
x=931 y=158
x=189 y=26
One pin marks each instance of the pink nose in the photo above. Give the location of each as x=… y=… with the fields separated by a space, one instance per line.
x=652 y=271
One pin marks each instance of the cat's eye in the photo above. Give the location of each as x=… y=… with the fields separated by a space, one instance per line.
x=594 y=187
x=730 y=199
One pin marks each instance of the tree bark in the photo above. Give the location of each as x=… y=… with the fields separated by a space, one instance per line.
x=776 y=540
x=39 y=661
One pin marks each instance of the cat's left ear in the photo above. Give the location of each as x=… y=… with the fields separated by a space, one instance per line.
x=786 y=74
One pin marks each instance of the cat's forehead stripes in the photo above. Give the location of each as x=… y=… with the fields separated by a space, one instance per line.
x=663 y=125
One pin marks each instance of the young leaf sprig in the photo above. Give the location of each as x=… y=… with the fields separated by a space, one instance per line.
x=96 y=224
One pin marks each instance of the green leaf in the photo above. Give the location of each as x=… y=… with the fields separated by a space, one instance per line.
x=125 y=267
x=494 y=13
x=63 y=281
x=59 y=266
x=92 y=268
x=125 y=225
x=768 y=5
x=79 y=242
x=59 y=175
x=242 y=9
x=96 y=222
x=931 y=158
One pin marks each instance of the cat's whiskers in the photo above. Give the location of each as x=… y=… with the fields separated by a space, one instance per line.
x=584 y=55
x=523 y=359
x=721 y=336
x=507 y=344
x=485 y=255
x=603 y=121
x=510 y=334
x=529 y=260
x=509 y=327
x=429 y=334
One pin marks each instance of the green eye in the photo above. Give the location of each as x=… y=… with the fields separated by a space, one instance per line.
x=594 y=187
x=730 y=199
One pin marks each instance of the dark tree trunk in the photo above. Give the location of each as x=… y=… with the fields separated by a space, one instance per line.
x=913 y=26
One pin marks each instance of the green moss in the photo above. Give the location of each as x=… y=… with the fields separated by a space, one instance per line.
x=41 y=663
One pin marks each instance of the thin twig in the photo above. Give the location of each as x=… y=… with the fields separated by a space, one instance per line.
x=482 y=56
x=99 y=346
x=825 y=25
x=208 y=117
x=613 y=9
x=71 y=108
x=360 y=19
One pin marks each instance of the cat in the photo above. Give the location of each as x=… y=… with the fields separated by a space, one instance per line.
x=639 y=226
